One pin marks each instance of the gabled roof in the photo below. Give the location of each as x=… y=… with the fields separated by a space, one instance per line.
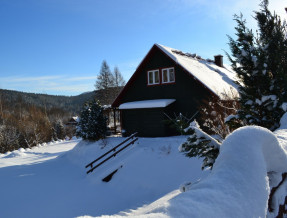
x=218 y=80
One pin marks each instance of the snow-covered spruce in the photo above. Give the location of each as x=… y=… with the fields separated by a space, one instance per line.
x=259 y=62
x=200 y=144
x=92 y=124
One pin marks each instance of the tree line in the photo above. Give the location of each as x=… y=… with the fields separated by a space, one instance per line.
x=26 y=125
x=71 y=104
x=28 y=119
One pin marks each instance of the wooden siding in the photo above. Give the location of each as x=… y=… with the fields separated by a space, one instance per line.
x=148 y=122
x=188 y=92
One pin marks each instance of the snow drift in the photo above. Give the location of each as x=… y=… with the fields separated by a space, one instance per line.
x=50 y=181
x=238 y=185
x=52 y=178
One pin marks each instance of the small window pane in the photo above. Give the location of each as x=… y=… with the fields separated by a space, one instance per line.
x=171 y=75
x=156 y=77
x=150 y=77
x=165 y=79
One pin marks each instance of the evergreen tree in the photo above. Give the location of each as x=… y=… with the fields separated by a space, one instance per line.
x=59 y=129
x=260 y=64
x=105 y=79
x=118 y=78
x=200 y=144
x=93 y=123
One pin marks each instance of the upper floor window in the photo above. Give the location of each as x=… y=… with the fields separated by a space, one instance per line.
x=168 y=75
x=153 y=77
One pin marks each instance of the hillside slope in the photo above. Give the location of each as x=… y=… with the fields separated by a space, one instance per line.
x=71 y=104
x=47 y=182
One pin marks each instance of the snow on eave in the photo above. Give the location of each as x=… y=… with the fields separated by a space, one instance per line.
x=219 y=80
x=155 y=103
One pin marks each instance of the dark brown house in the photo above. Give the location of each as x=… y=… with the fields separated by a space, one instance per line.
x=169 y=82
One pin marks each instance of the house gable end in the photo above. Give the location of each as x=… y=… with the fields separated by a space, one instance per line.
x=117 y=101
x=151 y=62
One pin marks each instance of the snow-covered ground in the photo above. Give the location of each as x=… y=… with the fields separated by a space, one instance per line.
x=238 y=185
x=51 y=181
x=38 y=154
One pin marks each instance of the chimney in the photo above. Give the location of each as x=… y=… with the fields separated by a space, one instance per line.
x=218 y=60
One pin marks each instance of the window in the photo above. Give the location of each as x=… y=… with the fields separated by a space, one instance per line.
x=168 y=75
x=153 y=77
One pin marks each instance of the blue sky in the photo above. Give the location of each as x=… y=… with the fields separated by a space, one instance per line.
x=57 y=46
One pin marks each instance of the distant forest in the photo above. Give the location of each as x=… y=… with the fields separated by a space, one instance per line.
x=27 y=119
x=70 y=104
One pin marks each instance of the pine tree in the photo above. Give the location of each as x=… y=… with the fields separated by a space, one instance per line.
x=200 y=144
x=118 y=78
x=260 y=64
x=93 y=123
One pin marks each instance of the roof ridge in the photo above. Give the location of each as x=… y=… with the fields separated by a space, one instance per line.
x=185 y=54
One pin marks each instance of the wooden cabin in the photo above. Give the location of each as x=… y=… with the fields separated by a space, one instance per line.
x=168 y=82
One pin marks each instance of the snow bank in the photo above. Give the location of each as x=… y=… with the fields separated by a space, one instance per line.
x=238 y=185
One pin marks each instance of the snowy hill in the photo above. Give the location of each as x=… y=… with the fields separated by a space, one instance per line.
x=51 y=181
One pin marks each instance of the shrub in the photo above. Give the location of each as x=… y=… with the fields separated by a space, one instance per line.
x=92 y=124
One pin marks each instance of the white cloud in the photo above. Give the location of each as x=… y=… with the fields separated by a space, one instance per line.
x=61 y=84
x=82 y=78
x=13 y=79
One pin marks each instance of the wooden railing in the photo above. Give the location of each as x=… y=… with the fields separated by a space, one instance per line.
x=130 y=140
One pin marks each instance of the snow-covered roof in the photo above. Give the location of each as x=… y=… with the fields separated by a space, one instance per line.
x=220 y=80
x=156 y=103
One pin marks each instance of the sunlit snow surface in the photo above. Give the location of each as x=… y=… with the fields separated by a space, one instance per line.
x=51 y=180
x=38 y=154
x=238 y=185
x=155 y=103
